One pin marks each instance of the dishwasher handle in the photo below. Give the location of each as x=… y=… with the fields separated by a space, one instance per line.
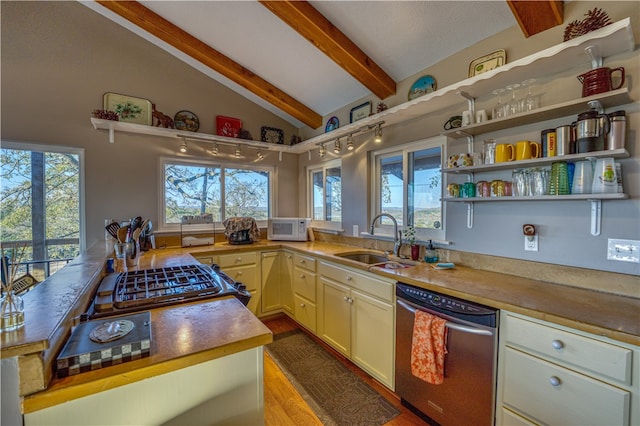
x=449 y=324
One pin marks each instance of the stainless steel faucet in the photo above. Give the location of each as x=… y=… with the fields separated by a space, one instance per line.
x=397 y=242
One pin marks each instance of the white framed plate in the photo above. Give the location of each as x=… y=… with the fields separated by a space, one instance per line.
x=487 y=62
x=422 y=86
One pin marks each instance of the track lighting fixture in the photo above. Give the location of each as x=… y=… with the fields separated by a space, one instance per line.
x=238 y=152
x=322 y=151
x=350 y=145
x=378 y=134
x=214 y=150
x=183 y=146
x=337 y=147
x=259 y=155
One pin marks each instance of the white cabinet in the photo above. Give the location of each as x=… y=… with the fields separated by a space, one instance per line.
x=275 y=273
x=304 y=291
x=356 y=316
x=243 y=267
x=549 y=374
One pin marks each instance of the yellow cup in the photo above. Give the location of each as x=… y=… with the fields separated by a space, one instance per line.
x=526 y=150
x=505 y=152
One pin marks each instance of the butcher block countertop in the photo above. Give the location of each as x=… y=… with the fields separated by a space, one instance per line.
x=52 y=306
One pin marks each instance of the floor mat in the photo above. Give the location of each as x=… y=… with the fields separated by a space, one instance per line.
x=337 y=395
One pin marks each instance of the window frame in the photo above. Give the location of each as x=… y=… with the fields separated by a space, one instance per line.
x=80 y=152
x=322 y=224
x=198 y=162
x=422 y=234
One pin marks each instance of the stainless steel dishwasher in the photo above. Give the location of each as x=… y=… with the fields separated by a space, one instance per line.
x=467 y=395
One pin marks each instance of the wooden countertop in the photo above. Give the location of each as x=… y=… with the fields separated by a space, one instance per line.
x=182 y=335
x=52 y=306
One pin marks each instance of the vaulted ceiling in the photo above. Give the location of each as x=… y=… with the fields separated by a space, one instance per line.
x=303 y=60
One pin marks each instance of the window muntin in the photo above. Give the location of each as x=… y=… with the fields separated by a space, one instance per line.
x=325 y=193
x=408 y=185
x=195 y=188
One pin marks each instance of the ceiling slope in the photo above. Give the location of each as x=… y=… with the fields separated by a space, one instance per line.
x=312 y=25
x=180 y=39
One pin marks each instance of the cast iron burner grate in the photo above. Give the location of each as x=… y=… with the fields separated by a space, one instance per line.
x=151 y=286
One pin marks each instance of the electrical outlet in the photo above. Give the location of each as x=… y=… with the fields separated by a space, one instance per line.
x=623 y=250
x=531 y=243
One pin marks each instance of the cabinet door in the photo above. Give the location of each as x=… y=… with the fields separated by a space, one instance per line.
x=270 y=273
x=373 y=345
x=335 y=315
x=305 y=313
x=286 y=281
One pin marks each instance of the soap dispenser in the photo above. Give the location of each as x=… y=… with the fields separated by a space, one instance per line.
x=431 y=256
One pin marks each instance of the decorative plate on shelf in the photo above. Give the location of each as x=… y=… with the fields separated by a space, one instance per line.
x=487 y=62
x=186 y=120
x=422 y=86
x=271 y=135
x=359 y=112
x=128 y=108
x=228 y=126
x=332 y=124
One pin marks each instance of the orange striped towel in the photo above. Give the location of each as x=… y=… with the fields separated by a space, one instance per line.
x=428 y=347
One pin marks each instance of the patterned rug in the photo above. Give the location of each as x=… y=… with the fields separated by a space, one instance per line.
x=337 y=395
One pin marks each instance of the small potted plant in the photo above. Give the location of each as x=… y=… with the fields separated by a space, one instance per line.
x=409 y=234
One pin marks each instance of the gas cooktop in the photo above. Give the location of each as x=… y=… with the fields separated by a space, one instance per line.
x=137 y=290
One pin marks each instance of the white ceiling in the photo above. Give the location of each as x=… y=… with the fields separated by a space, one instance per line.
x=402 y=37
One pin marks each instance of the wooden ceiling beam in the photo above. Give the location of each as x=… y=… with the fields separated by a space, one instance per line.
x=312 y=25
x=537 y=16
x=195 y=48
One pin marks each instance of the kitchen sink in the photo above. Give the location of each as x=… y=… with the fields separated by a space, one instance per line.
x=364 y=257
x=376 y=260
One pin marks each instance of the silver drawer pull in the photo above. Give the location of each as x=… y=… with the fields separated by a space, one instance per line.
x=555 y=381
x=302 y=305
x=346 y=299
x=302 y=276
x=557 y=344
x=349 y=278
x=239 y=273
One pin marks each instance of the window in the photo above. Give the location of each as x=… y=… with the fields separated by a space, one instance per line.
x=195 y=188
x=407 y=185
x=42 y=199
x=325 y=191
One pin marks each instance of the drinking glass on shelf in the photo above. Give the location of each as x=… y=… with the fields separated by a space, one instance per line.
x=514 y=105
x=529 y=102
x=498 y=110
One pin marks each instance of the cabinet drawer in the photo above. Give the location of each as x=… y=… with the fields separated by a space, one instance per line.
x=509 y=418
x=304 y=283
x=368 y=283
x=305 y=312
x=237 y=259
x=306 y=262
x=245 y=274
x=575 y=400
x=601 y=358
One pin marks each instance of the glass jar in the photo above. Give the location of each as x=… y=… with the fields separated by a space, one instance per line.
x=12 y=311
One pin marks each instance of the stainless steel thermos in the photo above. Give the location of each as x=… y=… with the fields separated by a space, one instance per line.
x=617 y=134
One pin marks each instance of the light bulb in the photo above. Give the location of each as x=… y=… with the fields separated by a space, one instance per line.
x=337 y=147
x=322 y=151
x=214 y=150
x=350 y=145
x=259 y=155
x=183 y=146
x=378 y=134
x=238 y=153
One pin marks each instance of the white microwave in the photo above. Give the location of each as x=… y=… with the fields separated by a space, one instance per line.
x=288 y=228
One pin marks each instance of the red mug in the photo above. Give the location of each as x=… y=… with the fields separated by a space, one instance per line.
x=600 y=80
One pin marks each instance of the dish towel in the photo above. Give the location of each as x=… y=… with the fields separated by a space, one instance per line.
x=428 y=347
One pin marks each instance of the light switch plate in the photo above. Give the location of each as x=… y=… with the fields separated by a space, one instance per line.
x=623 y=250
x=531 y=243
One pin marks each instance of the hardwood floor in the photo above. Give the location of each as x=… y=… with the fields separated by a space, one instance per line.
x=283 y=405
